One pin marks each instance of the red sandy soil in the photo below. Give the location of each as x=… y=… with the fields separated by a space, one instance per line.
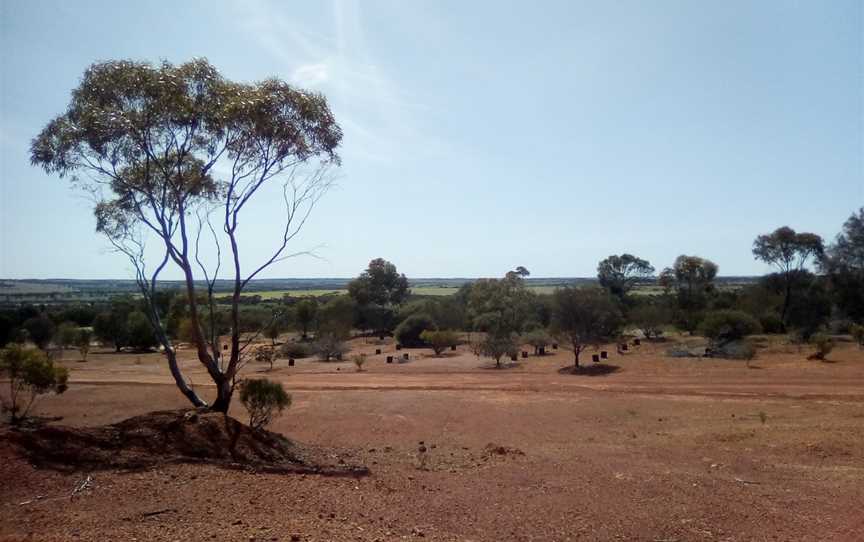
x=661 y=449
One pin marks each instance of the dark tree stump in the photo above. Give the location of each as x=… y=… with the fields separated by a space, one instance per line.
x=377 y=351
x=453 y=347
x=290 y=362
x=389 y=359
x=637 y=342
x=554 y=346
x=513 y=358
x=405 y=357
x=524 y=354
x=604 y=355
x=398 y=347
x=595 y=358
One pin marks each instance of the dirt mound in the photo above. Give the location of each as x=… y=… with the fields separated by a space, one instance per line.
x=175 y=436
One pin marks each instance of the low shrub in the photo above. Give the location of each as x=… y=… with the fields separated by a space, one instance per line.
x=263 y=399
x=295 y=350
x=650 y=319
x=359 y=360
x=823 y=345
x=735 y=350
x=408 y=332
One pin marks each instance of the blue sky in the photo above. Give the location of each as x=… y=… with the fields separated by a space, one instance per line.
x=484 y=135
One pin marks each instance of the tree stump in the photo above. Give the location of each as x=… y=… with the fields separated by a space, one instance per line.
x=554 y=346
x=405 y=357
x=604 y=355
x=524 y=354
x=377 y=351
x=398 y=347
x=595 y=358
x=541 y=350
x=389 y=359
x=290 y=362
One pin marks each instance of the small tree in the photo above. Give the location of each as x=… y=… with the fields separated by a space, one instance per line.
x=538 y=338
x=82 y=342
x=110 y=328
x=496 y=346
x=266 y=354
x=359 y=360
x=272 y=331
x=139 y=331
x=30 y=375
x=585 y=317
x=263 y=399
x=439 y=340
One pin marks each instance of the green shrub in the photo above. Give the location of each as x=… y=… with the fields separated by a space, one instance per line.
x=728 y=325
x=771 y=323
x=439 y=340
x=497 y=346
x=263 y=398
x=408 y=332
x=295 y=350
x=823 y=344
x=359 y=360
x=735 y=350
x=31 y=374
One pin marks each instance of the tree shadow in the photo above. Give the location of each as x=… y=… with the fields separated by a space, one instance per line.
x=598 y=369
x=504 y=365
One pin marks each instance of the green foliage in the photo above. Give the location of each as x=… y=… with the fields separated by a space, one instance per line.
x=771 y=323
x=31 y=374
x=739 y=349
x=110 y=327
x=439 y=340
x=809 y=310
x=380 y=284
x=499 y=306
x=40 y=330
x=336 y=316
x=843 y=263
x=619 y=274
x=585 y=316
x=140 y=332
x=789 y=252
x=305 y=313
x=650 y=318
x=725 y=326
x=408 y=332
x=692 y=279
x=263 y=399
x=823 y=344
x=496 y=346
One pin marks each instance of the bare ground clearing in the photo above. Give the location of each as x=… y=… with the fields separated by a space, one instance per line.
x=662 y=449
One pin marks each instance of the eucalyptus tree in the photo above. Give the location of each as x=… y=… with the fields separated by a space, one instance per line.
x=619 y=274
x=843 y=262
x=165 y=148
x=789 y=252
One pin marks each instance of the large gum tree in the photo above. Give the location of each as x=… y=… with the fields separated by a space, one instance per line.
x=176 y=153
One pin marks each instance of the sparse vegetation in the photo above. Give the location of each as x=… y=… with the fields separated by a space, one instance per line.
x=585 y=317
x=538 y=338
x=31 y=374
x=409 y=332
x=359 y=360
x=823 y=345
x=330 y=346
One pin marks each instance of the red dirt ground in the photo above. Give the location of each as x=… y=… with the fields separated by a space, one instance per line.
x=662 y=449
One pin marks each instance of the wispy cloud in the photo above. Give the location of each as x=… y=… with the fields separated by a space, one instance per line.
x=377 y=116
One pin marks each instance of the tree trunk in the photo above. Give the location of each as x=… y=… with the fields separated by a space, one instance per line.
x=180 y=381
x=224 y=391
x=576 y=350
